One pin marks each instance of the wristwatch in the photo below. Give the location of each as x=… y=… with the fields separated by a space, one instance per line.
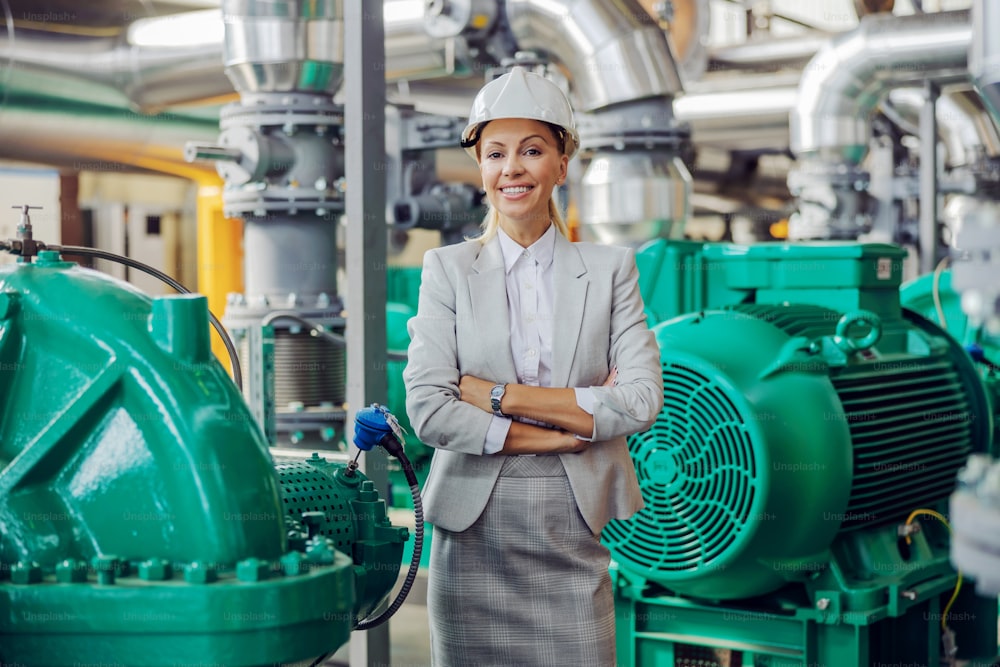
x=496 y=395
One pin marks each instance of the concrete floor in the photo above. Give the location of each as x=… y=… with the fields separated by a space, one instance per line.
x=409 y=638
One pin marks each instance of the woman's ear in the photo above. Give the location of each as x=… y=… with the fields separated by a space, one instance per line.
x=563 y=169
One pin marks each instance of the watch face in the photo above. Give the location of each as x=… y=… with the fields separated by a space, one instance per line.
x=496 y=392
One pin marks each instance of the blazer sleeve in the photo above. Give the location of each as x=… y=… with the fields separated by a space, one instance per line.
x=632 y=405
x=439 y=418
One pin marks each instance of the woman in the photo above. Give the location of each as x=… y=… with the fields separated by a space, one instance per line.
x=530 y=362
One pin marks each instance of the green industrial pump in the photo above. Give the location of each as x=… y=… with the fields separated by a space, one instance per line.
x=143 y=519
x=796 y=480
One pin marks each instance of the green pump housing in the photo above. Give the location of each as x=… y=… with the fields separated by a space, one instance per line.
x=806 y=417
x=145 y=522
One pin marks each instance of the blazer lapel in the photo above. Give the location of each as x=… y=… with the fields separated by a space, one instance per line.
x=570 y=283
x=488 y=291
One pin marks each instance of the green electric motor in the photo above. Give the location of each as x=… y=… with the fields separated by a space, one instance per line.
x=144 y=522
x=787 y=425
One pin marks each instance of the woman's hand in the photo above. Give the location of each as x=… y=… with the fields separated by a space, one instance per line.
x=476 y=391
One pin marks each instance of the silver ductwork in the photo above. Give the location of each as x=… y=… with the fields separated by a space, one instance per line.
x=845 y=80
x=114 y=72
x=967 y=133
x=984 y=53
x=611 y=50
x=623 y=79
x=98 y=139
x=830 y=126
x=111 y=72
x=274 y=46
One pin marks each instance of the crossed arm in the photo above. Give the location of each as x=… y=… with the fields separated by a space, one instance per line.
x=551 y=405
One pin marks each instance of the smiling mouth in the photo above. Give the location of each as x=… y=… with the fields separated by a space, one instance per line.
x=521 y=189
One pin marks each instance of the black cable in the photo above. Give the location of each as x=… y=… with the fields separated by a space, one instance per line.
x=395 y=448
x=318 y=331
x=156 y=273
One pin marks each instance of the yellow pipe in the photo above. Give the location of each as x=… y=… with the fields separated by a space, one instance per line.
x=220 y=254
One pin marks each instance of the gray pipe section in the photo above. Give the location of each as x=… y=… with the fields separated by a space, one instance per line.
x=984 y=53
x=114 y=73
x=964 y=127
x=844 y=82
x=748 y=112
x=612 y=49
x=280 y=46
x=769 y=53
x=101 y=139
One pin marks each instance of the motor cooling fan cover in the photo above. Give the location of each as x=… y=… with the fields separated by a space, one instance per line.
x=745 y=474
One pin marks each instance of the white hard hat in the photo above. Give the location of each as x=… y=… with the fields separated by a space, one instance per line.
x=521 y=94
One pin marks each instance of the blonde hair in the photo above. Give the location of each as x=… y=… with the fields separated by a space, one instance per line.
x=491 y=222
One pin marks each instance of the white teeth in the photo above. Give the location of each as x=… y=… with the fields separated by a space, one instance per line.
x=515 y=191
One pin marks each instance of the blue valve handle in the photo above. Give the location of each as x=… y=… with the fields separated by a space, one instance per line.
x=373 y=424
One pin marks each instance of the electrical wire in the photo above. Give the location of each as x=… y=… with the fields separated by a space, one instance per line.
x=936 y=292
x=958 y=585
x=156 y=273
x=394 y=447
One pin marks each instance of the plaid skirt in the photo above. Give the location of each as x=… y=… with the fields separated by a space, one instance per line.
x=527 y=585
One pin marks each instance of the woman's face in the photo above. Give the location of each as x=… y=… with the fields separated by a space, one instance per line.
x=521 y=163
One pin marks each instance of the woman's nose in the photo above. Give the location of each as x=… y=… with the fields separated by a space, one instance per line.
x=512 y=165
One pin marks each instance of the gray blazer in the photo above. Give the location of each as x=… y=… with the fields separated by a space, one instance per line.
x=462 y=328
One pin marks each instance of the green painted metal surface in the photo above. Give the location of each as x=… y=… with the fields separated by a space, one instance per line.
x=344 y=508
x=806 y=414
x=143 y=519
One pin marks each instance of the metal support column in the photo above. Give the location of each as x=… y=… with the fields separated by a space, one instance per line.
x=928 y=232
x=365 y=252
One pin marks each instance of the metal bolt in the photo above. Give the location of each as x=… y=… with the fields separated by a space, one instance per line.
x=253 y=569
x=294 y=564
x=199 y=572
x=106 y=567
x=26 y=573
x=71 y=571
x=823 y=603
x=909 y=594
x=155 y=569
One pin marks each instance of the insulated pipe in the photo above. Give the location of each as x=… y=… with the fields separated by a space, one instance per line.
x=844 y=82
x=113 y=72
x=984 y=53
x=612 y=50
x=965 y=129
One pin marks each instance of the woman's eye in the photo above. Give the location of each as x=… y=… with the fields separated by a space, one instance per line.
x=532 y=151
x=492 y=156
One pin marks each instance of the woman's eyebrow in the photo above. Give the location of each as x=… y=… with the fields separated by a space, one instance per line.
x=528 y=138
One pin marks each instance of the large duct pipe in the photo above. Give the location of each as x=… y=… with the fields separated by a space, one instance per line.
x=844 y=82
x=965 y=129
x=623 y=79
x=114 y=72
x=984 y=53
x=100 y=139
x=612 y=50
x=830 y=126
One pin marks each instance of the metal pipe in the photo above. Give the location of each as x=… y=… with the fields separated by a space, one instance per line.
x=844 y=81
x=612 y=49
x=91 y=138
x=770 y=53
x=984 y=54
x=746 y=113
x=114 y=72
x=928 y=224
x=964 y=126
